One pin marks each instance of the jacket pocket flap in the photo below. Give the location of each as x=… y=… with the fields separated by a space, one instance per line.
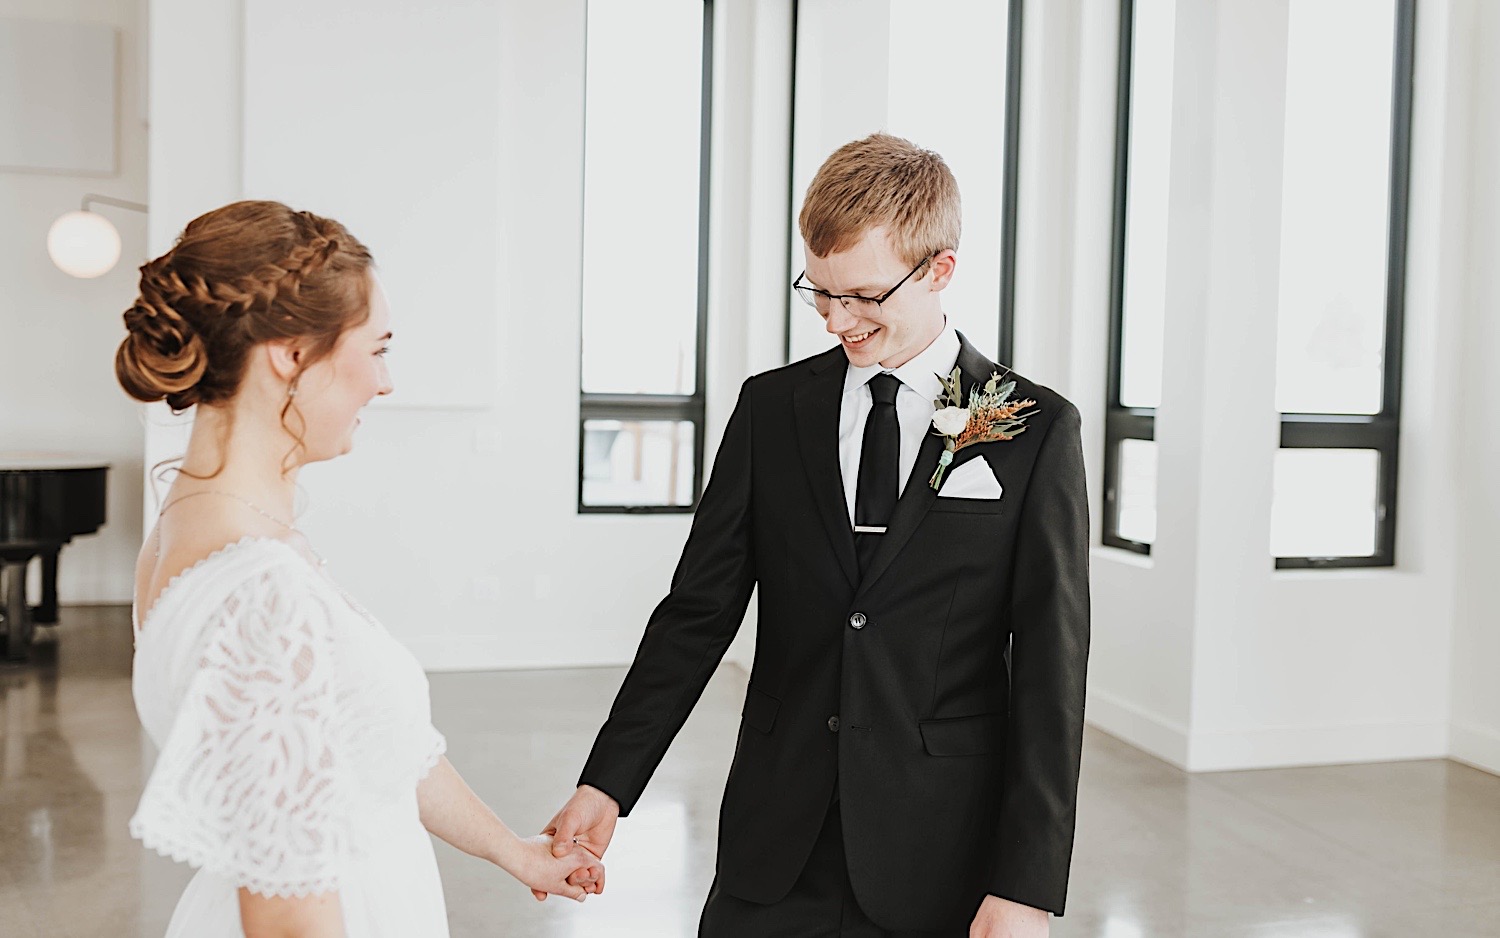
x=760 y=710
x=962 y=736
x=978 y=506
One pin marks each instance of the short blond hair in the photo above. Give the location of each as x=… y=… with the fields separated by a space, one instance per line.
x=882 y=180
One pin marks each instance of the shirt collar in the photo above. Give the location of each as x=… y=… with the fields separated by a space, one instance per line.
x=921 y=373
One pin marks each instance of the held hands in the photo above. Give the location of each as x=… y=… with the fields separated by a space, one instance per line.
x=1002 y=918
x=580 y=833
x=550 y=868
x=586 y=822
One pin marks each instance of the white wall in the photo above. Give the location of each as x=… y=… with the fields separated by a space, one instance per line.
x=470 y=550
x=1476 y=647
x=402 y=146
x=1203 y=653
x=58 y=334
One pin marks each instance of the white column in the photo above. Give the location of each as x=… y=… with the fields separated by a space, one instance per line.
x=1476 y=694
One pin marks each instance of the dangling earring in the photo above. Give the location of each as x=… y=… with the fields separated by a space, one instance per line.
x=291 y=390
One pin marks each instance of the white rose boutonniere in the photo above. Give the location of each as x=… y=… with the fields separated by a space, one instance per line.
x=990 y=416
x=950 y=421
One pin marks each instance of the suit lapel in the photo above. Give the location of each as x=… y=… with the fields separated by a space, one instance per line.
x=918 y=495
x=816 y=405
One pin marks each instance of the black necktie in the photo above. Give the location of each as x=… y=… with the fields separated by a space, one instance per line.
x=879 y=468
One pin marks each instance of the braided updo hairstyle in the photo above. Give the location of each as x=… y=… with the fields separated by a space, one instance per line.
x=247 y=273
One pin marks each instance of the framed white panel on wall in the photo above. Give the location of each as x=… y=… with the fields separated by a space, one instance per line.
x=386 y=116
x=58 y=97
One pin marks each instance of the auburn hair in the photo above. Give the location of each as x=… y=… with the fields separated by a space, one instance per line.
x=247 y=273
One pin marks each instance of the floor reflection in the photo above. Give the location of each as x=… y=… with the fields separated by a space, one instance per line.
x=49 y=807
x=1364 y=851
x=70 y=771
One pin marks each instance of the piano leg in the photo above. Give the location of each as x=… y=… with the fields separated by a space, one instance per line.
x=46 y=613
x=17 y=617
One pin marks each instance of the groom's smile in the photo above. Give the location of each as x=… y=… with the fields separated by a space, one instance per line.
x=858 y=341
x=873 y=322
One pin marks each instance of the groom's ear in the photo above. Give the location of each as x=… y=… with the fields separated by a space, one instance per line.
x=943 y=266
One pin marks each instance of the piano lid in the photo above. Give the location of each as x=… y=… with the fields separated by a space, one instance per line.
x=44 y=462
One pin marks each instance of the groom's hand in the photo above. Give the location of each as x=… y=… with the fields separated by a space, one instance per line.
x=588 y=820
x=1001 y=918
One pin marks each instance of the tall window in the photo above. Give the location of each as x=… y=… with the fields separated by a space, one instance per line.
x=645 y=259
x=1138 y=281
x=1343 y=250
x=972 y=44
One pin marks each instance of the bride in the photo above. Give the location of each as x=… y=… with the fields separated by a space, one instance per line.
x=299 y=768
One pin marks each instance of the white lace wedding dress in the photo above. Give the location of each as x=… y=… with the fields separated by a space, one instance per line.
x=293 y=731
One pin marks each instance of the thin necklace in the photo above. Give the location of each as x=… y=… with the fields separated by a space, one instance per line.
x=249 y=504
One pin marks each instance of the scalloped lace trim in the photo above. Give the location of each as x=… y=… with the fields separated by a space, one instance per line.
x=198 y=858
x=182 y=574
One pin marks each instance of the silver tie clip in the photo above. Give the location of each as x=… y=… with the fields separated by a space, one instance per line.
x=869 y=529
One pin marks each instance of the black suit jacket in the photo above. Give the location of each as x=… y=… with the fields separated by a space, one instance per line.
x=959 y=698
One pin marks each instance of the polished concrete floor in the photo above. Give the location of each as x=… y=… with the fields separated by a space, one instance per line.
x=1406 y=849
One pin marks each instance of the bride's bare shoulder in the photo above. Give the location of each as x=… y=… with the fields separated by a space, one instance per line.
x=186 y=534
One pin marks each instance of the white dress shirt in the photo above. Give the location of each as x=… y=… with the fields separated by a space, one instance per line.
x=920 y=386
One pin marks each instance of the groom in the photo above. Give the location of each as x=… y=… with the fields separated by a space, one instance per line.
x=909 y=751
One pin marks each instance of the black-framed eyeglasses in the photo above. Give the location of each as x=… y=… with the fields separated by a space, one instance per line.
x=822 y=300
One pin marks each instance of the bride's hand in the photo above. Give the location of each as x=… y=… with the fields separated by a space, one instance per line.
x=536 y=866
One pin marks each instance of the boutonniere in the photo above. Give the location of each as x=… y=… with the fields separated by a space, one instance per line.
x=990 y=416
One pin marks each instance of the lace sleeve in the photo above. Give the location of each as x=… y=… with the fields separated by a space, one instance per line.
x=252 y=782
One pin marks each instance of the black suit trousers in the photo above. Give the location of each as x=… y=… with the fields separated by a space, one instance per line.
x=820 y=905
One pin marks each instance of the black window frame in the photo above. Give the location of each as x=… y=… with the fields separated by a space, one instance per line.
x=1121 y=422
x=668 y=407
x=1379 y=432
x=1011 y=182
x=1010 y=185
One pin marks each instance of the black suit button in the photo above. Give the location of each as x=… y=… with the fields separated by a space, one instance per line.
x=833 y=723
x=857 y=621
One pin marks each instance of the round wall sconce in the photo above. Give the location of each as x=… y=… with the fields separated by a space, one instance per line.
x=84 y=243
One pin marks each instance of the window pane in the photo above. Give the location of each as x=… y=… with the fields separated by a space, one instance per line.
x=966 y=41
x=1148 y=170
x=640 y=196
x=1335 y=206
x=1136 y=518
x=1325 y=503
x=637 y=462
x=839 y=97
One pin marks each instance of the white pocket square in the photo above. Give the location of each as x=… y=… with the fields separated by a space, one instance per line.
x=974 y=479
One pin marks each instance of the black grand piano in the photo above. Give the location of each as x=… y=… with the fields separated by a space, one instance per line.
x=45 y=501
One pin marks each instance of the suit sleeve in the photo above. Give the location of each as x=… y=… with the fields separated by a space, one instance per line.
x=690 y=629
x=1049 y=658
